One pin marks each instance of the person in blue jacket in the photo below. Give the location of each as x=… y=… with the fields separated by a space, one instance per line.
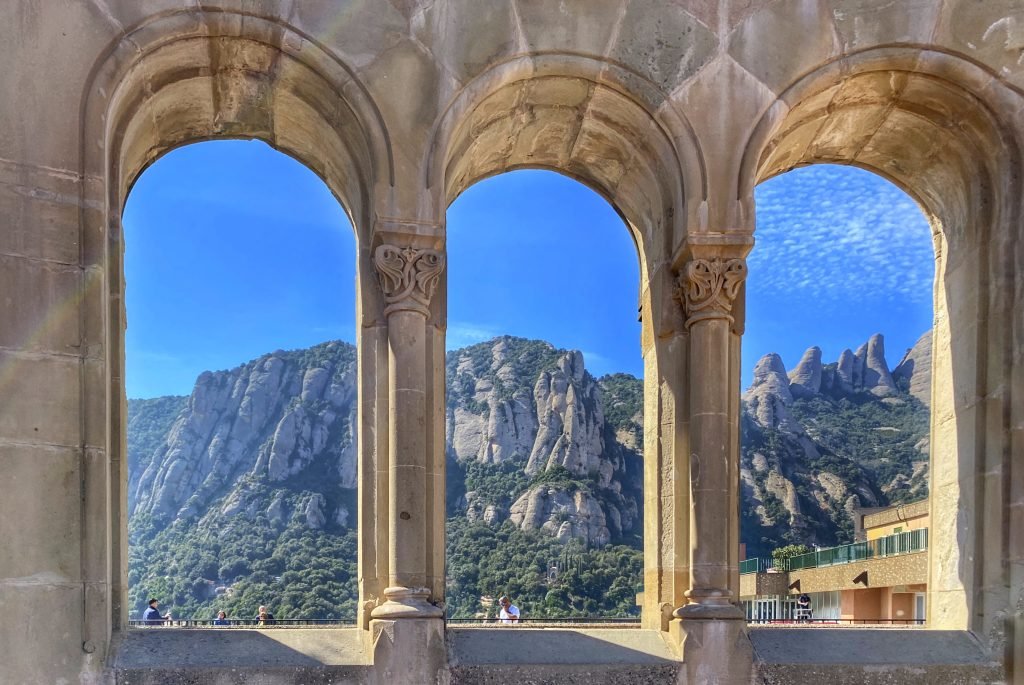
x=222 y=619
x=152 y=614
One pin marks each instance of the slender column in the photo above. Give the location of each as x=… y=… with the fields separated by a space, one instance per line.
x=708 y=287
x=408 y=277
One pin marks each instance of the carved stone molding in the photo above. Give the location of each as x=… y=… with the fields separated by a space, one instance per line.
x=408 y=276
x=708 y=288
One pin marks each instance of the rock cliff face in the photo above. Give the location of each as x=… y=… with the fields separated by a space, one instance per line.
x=276 y=436
x=269 y=420
x=533 y=439
x=915 y=369
x=822 y=440
x=535 y=410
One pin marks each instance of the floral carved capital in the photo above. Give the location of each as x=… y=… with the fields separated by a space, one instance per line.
x=408 y=276
x=708 y=288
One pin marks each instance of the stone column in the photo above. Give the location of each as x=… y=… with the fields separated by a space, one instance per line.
x=711 y=626
x=707 y=288
x=408 y=277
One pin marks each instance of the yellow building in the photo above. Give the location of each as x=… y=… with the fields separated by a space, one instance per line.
x=881 y=578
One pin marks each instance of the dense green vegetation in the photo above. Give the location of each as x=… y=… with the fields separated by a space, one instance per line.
x=880 y=436
x=492 y=561
x=623 y=402
x=296 y=571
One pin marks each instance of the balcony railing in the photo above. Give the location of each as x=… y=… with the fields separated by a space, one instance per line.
x=891 y=545
x=757 y=565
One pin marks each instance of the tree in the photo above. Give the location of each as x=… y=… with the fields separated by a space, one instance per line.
x=781 y=555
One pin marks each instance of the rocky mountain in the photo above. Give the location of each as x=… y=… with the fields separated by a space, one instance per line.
x=822 y=440
x=538 y=412
x=266 y=421
x=245 y=490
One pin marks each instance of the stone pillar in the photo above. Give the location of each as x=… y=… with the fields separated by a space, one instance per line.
x=708 y=288
x=408 y=277
x=711 y=626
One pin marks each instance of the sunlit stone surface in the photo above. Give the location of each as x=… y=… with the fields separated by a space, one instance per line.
x=674 y=112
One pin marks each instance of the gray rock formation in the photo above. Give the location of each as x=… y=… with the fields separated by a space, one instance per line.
x=824 y=440
x=271 y=418
x=915 y=369
x=768 y=397
x=844 y=371
x=570 y=421
x=563 y=513
x=871 y=372
x=805 y=379
x=531 y=408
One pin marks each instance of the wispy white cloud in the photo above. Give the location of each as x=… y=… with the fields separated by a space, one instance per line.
x=836 y=237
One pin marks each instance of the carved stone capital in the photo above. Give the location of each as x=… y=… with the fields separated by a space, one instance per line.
x=708 y=288
x=408 y=276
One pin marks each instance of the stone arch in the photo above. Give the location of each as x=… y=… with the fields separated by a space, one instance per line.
x=938 y=127
x=187 y=76
x=616 y=132
x=594 y=121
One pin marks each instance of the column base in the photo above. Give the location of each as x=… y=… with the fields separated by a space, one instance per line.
x=714 y=646
x=406 y=602
x=709 y=603
x=408 y=652
x=710 y=611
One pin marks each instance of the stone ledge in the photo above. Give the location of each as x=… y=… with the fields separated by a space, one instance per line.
x=557 y=646
x=870 y=656
x=559 y=656
x=288 y=656
x=551 y=674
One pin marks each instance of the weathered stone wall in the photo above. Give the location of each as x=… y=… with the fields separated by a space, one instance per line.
x=898 y=514
x=673 y=111
x=904 y=569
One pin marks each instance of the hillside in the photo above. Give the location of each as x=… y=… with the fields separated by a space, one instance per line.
x=822 y=440
x=244 y=492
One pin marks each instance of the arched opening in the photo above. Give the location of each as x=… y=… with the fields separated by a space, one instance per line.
x=544 y=406
x=573 y=115
x=184 y=77
x=240 y=373
x=937 y=133
x=837 y=378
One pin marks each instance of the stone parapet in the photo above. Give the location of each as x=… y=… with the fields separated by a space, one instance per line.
x=902 y=569
x=900 y=512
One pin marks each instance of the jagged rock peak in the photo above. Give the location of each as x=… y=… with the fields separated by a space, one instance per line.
x=805 y=379
x=871 y=371
x=769 y=396
x=916 y=369
x=269 y=418
x=844 y=371
x=770 y=373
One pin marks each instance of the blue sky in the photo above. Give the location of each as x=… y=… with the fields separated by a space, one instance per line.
x=234 y=250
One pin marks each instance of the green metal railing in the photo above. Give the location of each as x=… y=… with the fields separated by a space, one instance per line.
x=891 y=545
x=756 y=565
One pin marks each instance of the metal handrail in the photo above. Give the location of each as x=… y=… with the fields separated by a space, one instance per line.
x=242 y=623
x=888 y=546
x=627 y=620
x=838 y=621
